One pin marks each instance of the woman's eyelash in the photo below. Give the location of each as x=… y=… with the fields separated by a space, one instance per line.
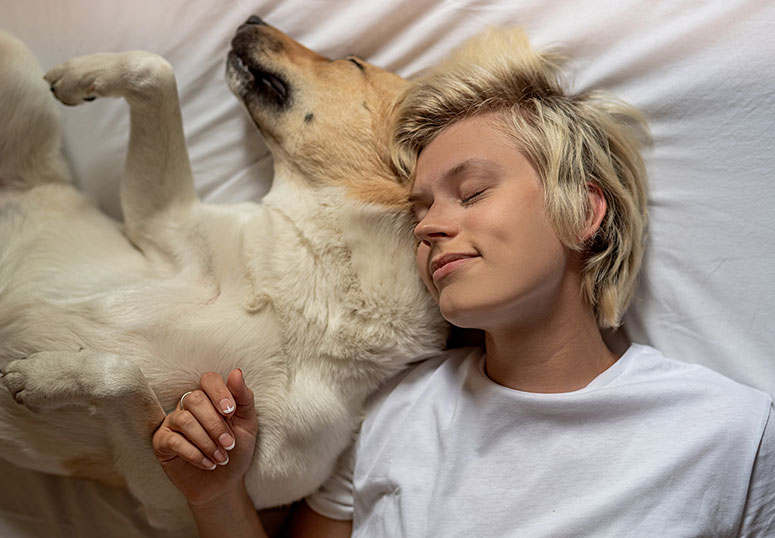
x=472 y=197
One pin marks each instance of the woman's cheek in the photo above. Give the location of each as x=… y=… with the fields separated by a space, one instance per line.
x=423 y=251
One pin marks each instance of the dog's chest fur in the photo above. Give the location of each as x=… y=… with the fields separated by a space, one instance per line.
x=295 y=274
x=304 y=292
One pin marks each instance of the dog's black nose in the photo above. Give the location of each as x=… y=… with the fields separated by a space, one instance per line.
x=255 y=20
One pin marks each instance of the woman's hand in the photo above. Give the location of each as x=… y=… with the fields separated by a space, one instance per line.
x=206 y=448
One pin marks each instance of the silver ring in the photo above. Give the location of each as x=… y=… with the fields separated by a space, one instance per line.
x=180 y=404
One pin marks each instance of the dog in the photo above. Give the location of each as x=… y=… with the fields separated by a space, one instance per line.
x=313 y=293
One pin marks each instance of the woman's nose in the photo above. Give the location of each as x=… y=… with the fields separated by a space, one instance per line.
x=434 y=226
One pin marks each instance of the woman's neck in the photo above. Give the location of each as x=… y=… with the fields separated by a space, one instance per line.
x=561 y=353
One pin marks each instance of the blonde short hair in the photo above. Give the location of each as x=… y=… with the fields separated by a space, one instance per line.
x=572 y=140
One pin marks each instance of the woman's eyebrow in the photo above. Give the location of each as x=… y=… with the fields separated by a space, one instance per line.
x=471 y=165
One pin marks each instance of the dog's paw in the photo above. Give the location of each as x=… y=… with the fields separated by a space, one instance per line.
x=108 y=74
x=81 y=79
x=35 y=384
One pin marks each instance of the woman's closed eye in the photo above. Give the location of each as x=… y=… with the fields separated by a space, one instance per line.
x=472 y=197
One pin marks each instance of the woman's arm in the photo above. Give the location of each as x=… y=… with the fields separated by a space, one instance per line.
x=231 y=514
x=206 y=448
x=304 y=522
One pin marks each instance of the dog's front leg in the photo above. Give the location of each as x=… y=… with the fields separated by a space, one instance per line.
x=117 y=391
x=157 y=189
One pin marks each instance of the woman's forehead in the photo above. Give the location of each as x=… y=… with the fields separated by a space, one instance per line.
x=472 y=146
x=471 y=166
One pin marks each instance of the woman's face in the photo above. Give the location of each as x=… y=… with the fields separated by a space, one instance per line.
x=487 y=250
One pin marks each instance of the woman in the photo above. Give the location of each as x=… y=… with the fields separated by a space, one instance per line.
x=530 y=207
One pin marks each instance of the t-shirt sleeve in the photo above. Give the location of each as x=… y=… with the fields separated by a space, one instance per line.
x=759 y=516
x=334 y=499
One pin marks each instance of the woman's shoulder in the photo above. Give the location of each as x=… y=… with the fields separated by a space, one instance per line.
x=647 y=370
x=648 y=362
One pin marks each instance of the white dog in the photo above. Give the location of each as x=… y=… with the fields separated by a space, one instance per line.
x=314 y=293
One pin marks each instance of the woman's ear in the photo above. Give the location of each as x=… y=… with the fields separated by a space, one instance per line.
x=597 y=209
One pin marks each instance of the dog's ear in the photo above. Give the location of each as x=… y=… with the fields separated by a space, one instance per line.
x=398 y=163
x=391 y=160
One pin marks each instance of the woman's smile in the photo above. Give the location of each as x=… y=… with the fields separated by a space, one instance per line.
x=445 y=264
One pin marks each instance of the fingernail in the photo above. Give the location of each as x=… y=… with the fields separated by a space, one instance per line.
x=208 y=464
x=227 y=406
x=221 y=457
x=227 y=441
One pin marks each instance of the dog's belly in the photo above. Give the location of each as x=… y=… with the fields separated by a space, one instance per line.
x=63 y=267
x=171 y=341
x=312 y=333
x=70 y=280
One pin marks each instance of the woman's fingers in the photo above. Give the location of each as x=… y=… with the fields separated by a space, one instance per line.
x=243 y=397
x=233 y=399
x=222 y=403
x=169 y=444
x=218 y=393
x=204 y=425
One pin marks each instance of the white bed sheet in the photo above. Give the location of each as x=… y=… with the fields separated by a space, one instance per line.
x=703 y=72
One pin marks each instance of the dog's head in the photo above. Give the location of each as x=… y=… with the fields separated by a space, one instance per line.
x=326 y=120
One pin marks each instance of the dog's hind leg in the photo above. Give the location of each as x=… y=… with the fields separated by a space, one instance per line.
x=157 y=189
x=117 y=391
x=30 y=147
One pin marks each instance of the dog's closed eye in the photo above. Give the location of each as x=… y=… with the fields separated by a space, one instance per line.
x=359 y=64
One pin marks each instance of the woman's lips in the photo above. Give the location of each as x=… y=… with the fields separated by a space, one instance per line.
x=445 y=264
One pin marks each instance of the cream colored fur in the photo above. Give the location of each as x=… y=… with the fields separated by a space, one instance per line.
x=313 y=293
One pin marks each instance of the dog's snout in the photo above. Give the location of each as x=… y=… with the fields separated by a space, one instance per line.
x=253 y=19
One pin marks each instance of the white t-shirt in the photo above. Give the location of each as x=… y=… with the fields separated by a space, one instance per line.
x=652 y=447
